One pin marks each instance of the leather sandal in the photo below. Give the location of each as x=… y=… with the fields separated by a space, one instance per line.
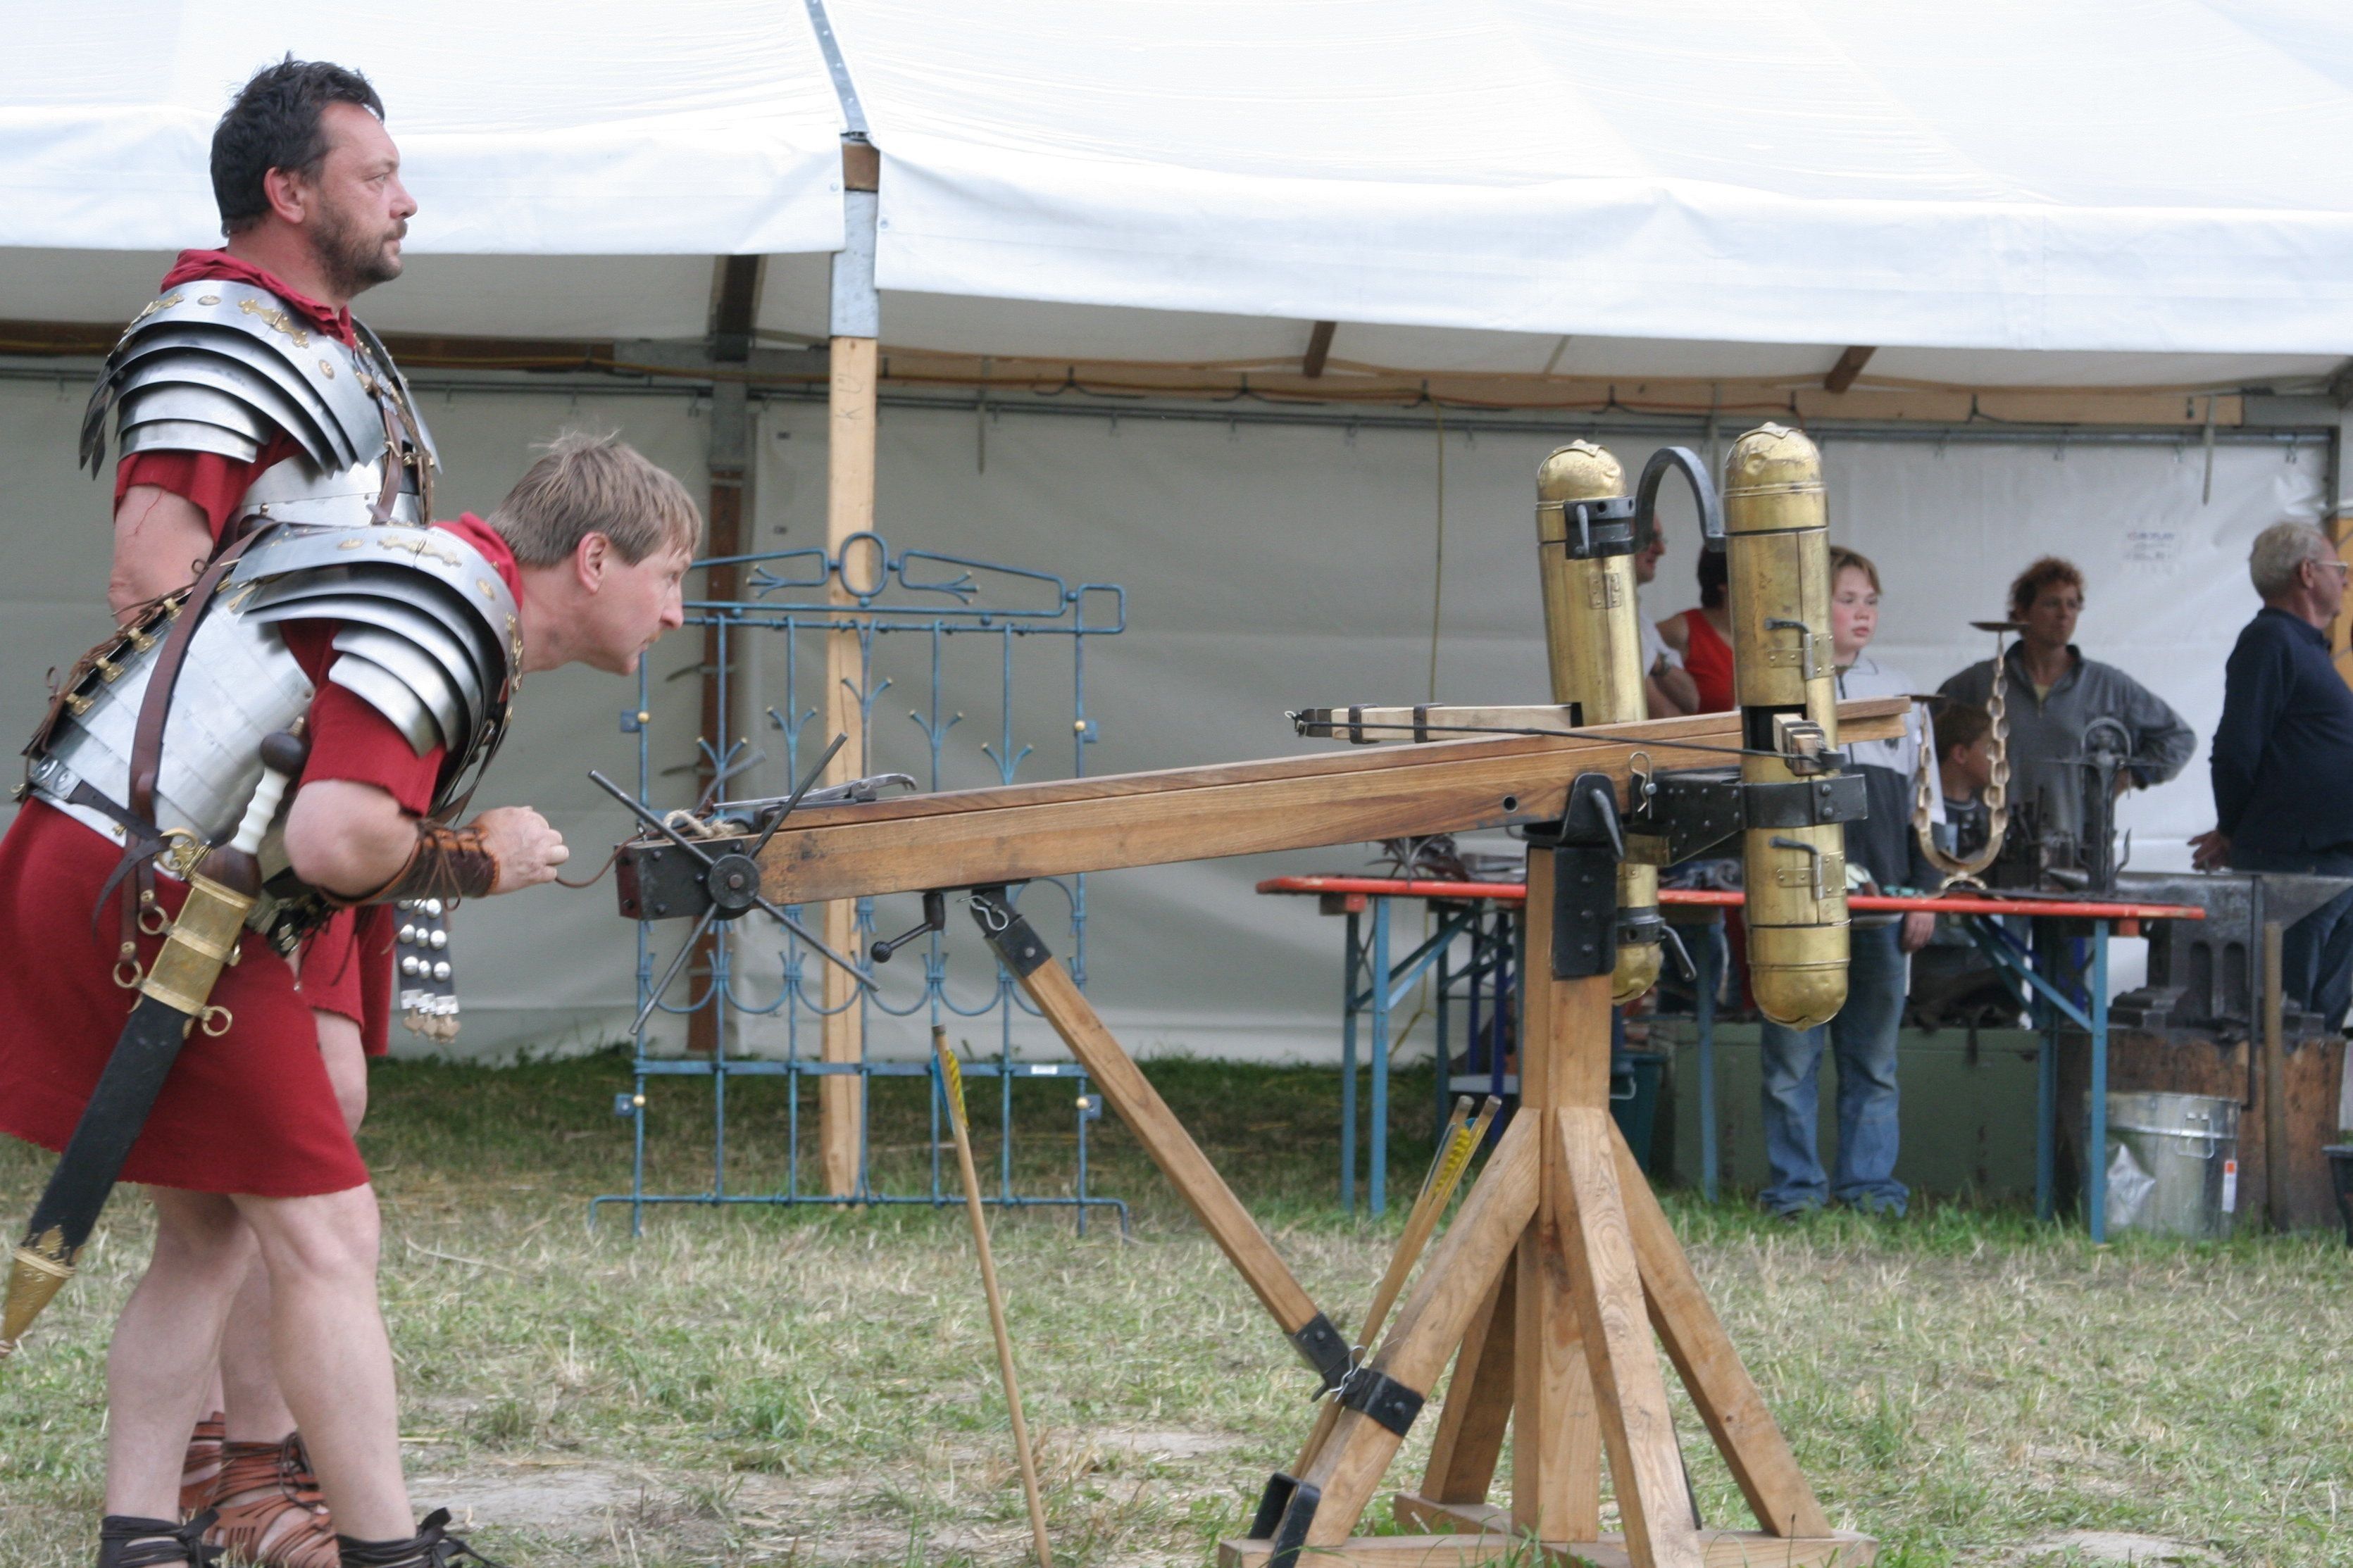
x=202 y=1463
x=127 y=1540
x=269 y=1507
x=431 y=1547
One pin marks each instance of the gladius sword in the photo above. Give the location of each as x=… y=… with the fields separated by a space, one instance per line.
x=175 y=998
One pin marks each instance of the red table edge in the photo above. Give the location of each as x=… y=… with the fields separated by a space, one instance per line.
x=2126 y=916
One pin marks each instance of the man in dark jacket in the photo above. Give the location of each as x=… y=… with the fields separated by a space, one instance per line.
x=2283 y=756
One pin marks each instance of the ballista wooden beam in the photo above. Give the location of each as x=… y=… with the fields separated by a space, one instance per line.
x=964 y=839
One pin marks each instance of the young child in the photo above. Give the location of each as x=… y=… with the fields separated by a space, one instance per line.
x=1965 y=769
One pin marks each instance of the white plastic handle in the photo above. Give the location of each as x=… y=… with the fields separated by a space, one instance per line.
x=259 y=810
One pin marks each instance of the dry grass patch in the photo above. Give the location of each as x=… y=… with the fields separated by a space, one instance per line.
x=765 y=1387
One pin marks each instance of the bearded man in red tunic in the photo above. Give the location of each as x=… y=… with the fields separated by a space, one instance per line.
x=307 y=185
x=394 y=649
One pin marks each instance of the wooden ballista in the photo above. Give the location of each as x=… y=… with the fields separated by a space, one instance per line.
x=1547 y=1289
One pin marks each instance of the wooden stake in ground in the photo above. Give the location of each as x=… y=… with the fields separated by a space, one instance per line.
x=952 y=1079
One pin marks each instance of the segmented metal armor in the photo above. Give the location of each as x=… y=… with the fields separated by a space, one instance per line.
x=219 y=367
x=429 y=634
x=428 y=639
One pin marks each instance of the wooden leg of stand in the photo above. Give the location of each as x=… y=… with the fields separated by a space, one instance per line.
x=1478 y=1401
x=1744 y=1430
x=1429 y=1327
x=1172 y=1148
x=1636 y=1426
x=1556 y=1433
x=1564 y=1061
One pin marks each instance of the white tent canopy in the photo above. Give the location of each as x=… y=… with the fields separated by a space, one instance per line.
x=2154 y=175
x=2146 y=192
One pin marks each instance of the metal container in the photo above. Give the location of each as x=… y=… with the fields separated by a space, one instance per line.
x=2173 y=1164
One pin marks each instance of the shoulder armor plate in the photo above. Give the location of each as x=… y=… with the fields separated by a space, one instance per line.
x=214 y=320
x=430 y=633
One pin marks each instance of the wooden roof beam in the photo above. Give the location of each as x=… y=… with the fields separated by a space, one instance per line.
x=1319 y=349
x=1850 y=365
x=735 y=306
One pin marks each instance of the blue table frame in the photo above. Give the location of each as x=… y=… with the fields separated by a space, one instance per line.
x=1373 y=985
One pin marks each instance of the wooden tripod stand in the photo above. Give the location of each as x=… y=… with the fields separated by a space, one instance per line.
x=1545 y=1283
x=1559 y=1252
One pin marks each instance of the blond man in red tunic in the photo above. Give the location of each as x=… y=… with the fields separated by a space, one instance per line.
x=396 y=646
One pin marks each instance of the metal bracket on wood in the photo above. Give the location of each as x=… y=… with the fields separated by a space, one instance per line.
x=1383 y=1399
x=1016 y=945
x=1587 y=847
x=1326 y=1350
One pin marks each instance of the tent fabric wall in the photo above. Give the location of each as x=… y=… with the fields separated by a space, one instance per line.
x=1267 y=568
x=1832 y=171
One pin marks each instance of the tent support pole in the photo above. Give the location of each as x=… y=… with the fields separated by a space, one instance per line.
x=735 y=306
x=851 y=395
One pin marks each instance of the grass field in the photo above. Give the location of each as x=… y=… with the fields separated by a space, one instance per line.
x=759 y=1386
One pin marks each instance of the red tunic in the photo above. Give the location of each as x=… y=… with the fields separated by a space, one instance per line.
x=334 y=977
x=1708 y=657
x=60 y=1011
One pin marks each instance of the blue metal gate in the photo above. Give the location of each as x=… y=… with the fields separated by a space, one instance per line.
x=906 y=608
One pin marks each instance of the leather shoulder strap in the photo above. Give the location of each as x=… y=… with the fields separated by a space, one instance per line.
x=147 y=739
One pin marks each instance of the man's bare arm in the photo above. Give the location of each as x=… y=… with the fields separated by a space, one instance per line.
x=1681 y=689
x=161 y=542
x=352 y=838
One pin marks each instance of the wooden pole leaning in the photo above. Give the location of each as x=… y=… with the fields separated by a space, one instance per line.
x=1447 y=1168
x=1048 y=984
x=952 y=1079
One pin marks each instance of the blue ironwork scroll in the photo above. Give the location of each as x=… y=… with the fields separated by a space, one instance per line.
x=940 y=627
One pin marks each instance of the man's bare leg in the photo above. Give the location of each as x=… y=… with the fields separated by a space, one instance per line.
x=247 y=1387
x=165 y=1346
x=333 y=1357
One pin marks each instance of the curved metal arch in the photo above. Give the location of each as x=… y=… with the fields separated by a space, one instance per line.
x=1683 y=460
x=455 y=654
x=424 y=675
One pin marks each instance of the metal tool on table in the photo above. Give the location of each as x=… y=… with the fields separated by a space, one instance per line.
x=952 y=1082
x=224 y=882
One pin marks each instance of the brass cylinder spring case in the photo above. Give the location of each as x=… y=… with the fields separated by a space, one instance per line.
x=1595 y=646
x=1777 y=544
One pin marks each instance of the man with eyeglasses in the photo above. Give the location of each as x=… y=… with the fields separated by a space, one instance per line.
x=2283 y=757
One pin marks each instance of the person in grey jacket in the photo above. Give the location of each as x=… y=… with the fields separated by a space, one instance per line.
x=2054 y=695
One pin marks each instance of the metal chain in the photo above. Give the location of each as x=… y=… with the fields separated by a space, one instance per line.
x=1996 y=795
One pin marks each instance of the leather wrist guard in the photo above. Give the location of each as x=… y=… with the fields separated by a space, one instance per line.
x=447 y=863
